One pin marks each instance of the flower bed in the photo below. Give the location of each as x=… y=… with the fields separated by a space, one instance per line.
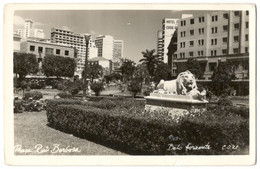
x=123 y=124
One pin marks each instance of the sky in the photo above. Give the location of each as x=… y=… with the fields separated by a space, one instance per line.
x=137 y=28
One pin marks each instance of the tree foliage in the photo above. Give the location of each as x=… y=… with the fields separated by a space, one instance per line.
x=127 y=69
x=150 y=60
x=194 y=67
x=141 y=73
x=162 y=71
x=24 y=64
x=93 y=71
x=58 y=66
x=222 y=76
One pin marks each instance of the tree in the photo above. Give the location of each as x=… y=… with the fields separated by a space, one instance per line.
x=93 y=71
x=127 y=69
x=58 y=66
x=150 y=60
x=222 y=76
x=97 y=87
x=162 y=71
x=141 y=73
x=24 y=64
x=134 y=87
x=194 y=67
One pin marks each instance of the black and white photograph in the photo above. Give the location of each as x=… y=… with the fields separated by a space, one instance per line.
x=125 y=81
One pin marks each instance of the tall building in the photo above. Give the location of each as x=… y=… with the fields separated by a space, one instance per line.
x=214 y=38
x=105 y=45
x=118 y=53
x=169 y=26
x=29 y=31
x=76 y=40
x=159 y=44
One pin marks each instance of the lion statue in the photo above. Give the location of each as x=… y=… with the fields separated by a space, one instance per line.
x=184 y=83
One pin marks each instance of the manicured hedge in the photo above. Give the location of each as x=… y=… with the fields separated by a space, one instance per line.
x=35 y=95
x=127 y=128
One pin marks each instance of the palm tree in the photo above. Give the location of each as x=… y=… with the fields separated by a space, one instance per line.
x=150 y=60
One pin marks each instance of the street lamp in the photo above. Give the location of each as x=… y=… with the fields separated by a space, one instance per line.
x=85 y=82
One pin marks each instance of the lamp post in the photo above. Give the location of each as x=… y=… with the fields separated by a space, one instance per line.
x=243 y=82
x=85 y=82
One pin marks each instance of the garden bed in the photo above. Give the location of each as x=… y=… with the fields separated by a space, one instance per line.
x=122 y=124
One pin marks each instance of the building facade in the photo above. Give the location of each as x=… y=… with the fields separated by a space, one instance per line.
x=118 y=53
x=169 y=26
x=29 y=31
x=213 y=38
x=77 y=41
x=105 y=45
x=41 y=49
x=159 y=44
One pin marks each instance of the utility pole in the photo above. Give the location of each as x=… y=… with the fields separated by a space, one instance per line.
x=85 y=82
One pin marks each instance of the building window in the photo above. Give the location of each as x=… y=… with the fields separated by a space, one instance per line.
x=191 y=32
x=200 y=53
x=214 y=30
x=236 y=25
x=57 y=51
x=247 y=12
x=181 y=23
x=191 y=43
x=225 y=28
x=191 y=54
x=49 y=51
x=224 y=40
x=236 y=38
x=216 y=18
x=224 y=51
x=247 y=25
x=225 y=15
x=246 y=49
x=212 y=18
x=32 y=48
x=201 y=19
x=201 y=30
x=201 y=42
x=236 y=13
x=215 y=53
x=40 y=49
x=66 y=52
x=191 y=21
x=246 y=37
x=235 y=50
x=213 y=41
x=212 y=66
x=216 y=41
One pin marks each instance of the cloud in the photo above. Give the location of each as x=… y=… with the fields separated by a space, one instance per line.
x=18 y=20
x=66 y=28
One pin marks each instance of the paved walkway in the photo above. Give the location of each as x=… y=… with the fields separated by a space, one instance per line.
x=34 y=137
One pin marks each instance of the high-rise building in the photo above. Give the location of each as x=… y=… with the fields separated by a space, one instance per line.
x=29 y=31
x=159 y=44
x=213 y=38
x=105 y=45
x=169 y=26
x=118 y=53
x=76 y=40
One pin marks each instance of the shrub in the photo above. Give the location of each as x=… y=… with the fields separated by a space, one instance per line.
x=64 y=95
x=35 y=95
x=18 y=106
x=225 y=102
x=37 y=84
x=97 y=87
x=132 y=130
x=134 y=87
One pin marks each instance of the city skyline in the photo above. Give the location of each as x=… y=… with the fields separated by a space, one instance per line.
x=138 y=29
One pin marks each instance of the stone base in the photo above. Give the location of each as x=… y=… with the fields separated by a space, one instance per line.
x=175 y=105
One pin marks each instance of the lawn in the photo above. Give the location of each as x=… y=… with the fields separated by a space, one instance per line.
x=31 y=129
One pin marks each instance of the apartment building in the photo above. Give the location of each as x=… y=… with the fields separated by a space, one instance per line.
x=105 y=45
x=118 y=53
x=77 y=41
x=29 y=31
x=213 y=38
x=159 y=43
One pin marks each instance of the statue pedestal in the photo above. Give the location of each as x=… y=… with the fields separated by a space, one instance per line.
x=175 y=105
